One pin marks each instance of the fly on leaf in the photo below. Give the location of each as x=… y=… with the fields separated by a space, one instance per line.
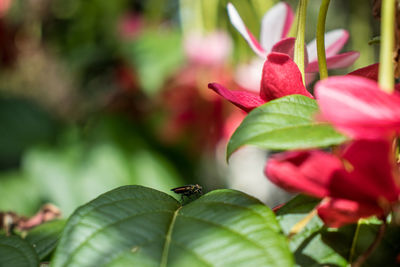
x=188 y=191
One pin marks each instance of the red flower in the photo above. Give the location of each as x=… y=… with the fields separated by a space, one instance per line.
x=280 y=77
x=360 y=182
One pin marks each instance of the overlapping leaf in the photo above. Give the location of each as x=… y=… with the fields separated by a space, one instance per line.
x=283 y=124
x=44 y=238
x=138 y=226
x=15 y=251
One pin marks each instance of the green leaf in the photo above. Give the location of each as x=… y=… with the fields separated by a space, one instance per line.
x=44 y=237
x=295 y=210
x=139 y=226
x=317 y=245
x=308 y=246
x=283 y=124
x=16 y=252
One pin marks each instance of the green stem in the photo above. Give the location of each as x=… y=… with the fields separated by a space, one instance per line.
x=293 y=28
x=191 y=16
x=354 y=243
x=378 y=238
x=210 y=14
x=299 y=45
x=323 y=69
x=386 y=73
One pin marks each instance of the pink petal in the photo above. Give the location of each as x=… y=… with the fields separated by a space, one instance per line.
x=334 y=41
x=335 y=62
x=238 y=23
x=356 y=106
x=339 y=212
x=242 y=99
x=211 y=49
x=302 y=172
x=275 y=25
x=370 y=72
x=281 y=77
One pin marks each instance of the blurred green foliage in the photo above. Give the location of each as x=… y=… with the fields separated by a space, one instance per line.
x=154 y=63
x=82 y=166
x=23 y=124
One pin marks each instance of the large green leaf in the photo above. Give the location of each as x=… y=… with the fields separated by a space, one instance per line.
x=44 y=237
x=317 y=245
x=16 y=252
x=283 y=124
x=139 y=226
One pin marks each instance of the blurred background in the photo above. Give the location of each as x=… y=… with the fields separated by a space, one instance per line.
x=97 y=94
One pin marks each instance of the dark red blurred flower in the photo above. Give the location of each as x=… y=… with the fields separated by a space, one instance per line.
x=193 y=114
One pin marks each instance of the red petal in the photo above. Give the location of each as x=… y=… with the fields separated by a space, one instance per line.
x=357 y=107
x=281 y=77
x=243 y=99
x=339 y=212
x=285 y=46
x=302 y=172
x=370 y=173
x=370 y=72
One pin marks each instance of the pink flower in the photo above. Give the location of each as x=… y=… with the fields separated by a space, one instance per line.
x=4 y=7
x=280 y=77
x=360 y=182
x=275 y=27
x=357 y=107
x=211 y=49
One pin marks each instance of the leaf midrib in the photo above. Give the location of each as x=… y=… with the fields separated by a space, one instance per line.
x=165 y=252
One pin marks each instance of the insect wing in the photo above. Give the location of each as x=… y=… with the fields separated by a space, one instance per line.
x=182 y=189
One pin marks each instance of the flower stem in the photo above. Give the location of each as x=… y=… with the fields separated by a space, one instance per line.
x=293 y=28
x=355 y=239
x=301 y=29
x=323 y=69
x=362 y=258
x=210 y=16
x=386 y=73
x=302 y=223
x=191 y=16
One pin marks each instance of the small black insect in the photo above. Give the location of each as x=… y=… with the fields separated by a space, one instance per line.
x=188 y=190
